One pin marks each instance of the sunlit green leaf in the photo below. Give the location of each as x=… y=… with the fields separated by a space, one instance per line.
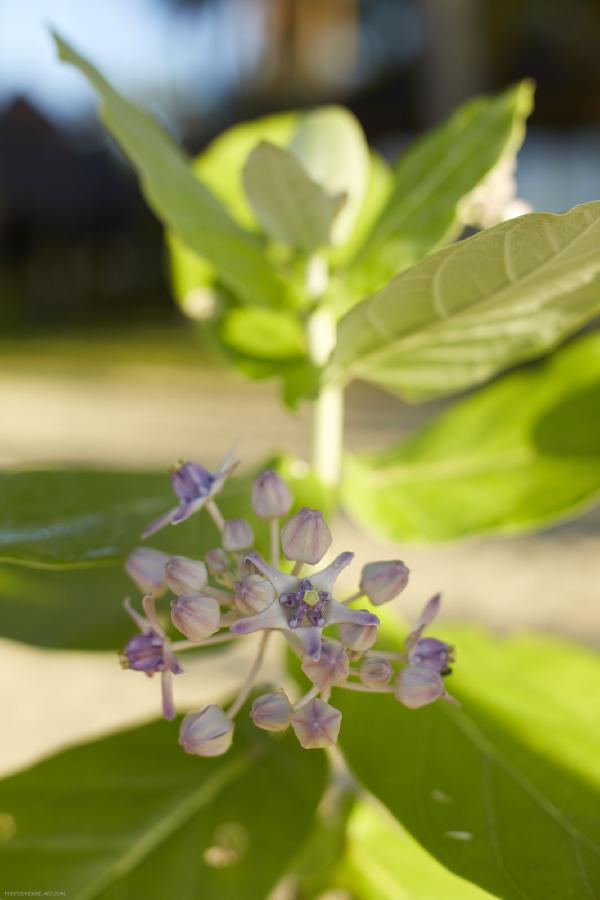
x=522 y=452
x=473 y=309
x=264 y=333
x=383 y=862
x=291 y=207
x=181 y=201
x=133 y=816
x=331 y=145
x=434 y=175
x=505 y=790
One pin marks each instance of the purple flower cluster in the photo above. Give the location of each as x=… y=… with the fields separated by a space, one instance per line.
x=236 y=592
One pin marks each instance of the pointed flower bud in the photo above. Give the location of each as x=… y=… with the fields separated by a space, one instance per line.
x=358 y=637
x=253 y=594
x=417 y=686
x=382 y=581
x=196 y=615
x=184 y=575
x=217 y=561
x=272 y=711
x=237 y=536
x=146 y=567
x=271 y=497
x=208 y=732
x=306 y=537
x=376 y=671
x=331 y=668
x=432 y=654
x=317 y=724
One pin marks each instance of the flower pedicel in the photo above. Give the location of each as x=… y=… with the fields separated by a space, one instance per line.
x=235 y=592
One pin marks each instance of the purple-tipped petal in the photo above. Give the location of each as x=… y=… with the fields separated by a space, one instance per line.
x=311 y=638
x=149 y=607
x=430 y=611
x=281 y=581
x=187 y=509
x=418 y=686
x=144 y=653
x=168 y=704
x=337 y=613
x=271 y=617
x=326 y=578
x=159 y=523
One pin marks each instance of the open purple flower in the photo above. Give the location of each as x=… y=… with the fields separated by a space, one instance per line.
x=150 y=652
x=303 y=606
x=195 y=486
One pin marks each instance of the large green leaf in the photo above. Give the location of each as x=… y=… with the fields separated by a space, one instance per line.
x=331 y=145
x=471 y=310
x=180 y=200
x=383 y=862
x=79 y=609
x=82 y=518
x=291 y=207
x=504 y=791
x=519 y=453
x=220 y=168
x=133 y=816
x=436 y=173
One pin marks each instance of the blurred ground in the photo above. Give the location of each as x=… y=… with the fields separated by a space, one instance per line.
x=146 y=403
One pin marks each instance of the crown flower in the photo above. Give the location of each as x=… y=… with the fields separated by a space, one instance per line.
x=234 y=593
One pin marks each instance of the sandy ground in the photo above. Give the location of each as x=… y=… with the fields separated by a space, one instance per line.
x=130 y=415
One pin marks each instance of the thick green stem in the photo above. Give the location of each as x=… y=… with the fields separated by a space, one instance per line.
x=328 y=408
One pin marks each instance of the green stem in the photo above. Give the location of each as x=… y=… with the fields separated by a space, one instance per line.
x=328 y=408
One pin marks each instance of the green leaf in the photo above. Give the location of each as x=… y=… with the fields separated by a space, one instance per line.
x=181 y=201
x=73 y=609
x=77 y=518
x=383 y=862
x=471 y=310
x=504 y=791
x=219 y=167
x=264 y=333
x=518 y=454
x=291 y=207
x=133 y=816
x=435 y=174
x=331 y=146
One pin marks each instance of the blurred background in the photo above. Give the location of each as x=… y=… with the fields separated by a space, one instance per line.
x=96 y=363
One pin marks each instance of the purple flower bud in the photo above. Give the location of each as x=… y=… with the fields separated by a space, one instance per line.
x=418 y=686
x=376 y=671
x=237 y=536
x=306 y=537
x=253 y=594
x=196 y=615
x=358 y=637
x=271 y=497
x=208 y=732
x=144 y=653
x=146 y=567
x=217 y=561
x=331 y=668
x=382 y=581
x=432 y=654
x=184 y=575
x=272 y=711
x=317 y=724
